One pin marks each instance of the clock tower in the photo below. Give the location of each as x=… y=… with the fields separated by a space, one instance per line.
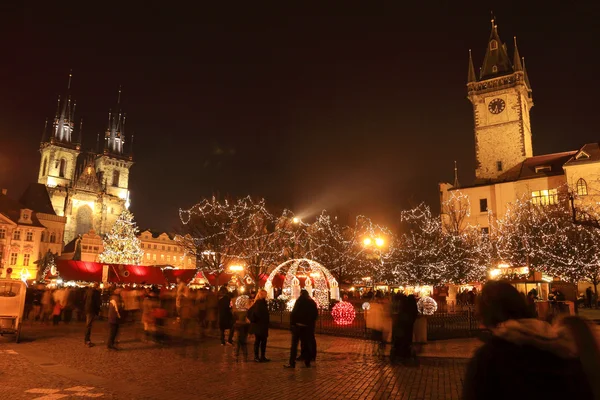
x=501 y=98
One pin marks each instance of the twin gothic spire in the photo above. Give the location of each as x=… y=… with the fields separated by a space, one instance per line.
x=63 y=127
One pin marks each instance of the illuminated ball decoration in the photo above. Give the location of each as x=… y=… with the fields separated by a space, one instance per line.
x=366 y=306
x=242 y=302
x=343 y=313
x=427 y=305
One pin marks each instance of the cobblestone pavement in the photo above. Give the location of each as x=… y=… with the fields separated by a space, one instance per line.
x=53 y=363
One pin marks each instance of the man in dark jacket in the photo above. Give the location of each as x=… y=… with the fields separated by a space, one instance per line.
x=302 y=321
x=114 y=317
x=259 y=320
x=92 y=309
x=225 y=315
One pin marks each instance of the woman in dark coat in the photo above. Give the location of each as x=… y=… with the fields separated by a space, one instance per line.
x=259 y=320
x=225 y=315
x=526 y=358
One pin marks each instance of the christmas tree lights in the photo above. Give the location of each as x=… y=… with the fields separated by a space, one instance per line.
x=121 y=245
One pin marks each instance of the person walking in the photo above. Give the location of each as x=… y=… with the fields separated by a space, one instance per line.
x=524 y=354
x=92 y=309
x=114 y=317
x=225 y=315
x=302 y=321
x=259 y=318
x=588 y=297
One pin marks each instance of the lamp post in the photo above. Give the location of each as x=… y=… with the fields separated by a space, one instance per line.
x=235 y=270
x=375 y=245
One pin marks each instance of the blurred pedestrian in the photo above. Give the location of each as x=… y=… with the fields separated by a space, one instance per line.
x=588 y=297
x=259 y=318
x=92 y=309
x=525 y=357
x=114 y=317
x=302 y=322
x=56 y=313
x=225 y=316
x=242 y=327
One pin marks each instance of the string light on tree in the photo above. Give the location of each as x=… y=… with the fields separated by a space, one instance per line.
x=121 y=245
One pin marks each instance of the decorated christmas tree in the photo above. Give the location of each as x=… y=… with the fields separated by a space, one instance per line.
x=121 y=245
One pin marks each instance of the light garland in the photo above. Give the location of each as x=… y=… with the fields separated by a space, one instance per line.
x=121 y=244
x=343 y=313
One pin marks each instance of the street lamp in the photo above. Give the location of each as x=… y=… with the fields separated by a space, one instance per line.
x=296 y=220
x=236 y=268
x=367 y=241
x=379 y=242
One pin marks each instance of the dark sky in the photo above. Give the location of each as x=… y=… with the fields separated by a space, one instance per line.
x=361 y=110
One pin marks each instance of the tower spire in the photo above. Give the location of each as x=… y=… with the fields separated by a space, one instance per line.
x=44 y=131
x=496 y=61
x=526 y=77
x=456 y=184
x=70 y=77
x=98 y=144
x=80 y=131
x=471 y=75
x=517 y=58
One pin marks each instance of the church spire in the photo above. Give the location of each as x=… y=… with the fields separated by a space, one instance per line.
x=44 y=131
x=471 y=75
x=115 y=133
x=517 y=58
x=526 y=77
x=496 y=61
x=456 y=184
x=64 y=123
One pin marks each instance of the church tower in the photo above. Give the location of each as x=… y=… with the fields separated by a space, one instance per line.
x=501 y=98
x=59 y=151
x=114 y=162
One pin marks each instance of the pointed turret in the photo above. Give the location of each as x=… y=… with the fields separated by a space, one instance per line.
x=471 y=75
x=496 y=61
x=526 y=77
x=44 y=131
x=80 y=132
x=517 y=58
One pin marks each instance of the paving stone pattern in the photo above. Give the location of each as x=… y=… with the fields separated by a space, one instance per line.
x=55 y=359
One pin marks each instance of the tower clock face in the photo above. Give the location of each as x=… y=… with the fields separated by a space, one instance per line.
x=496 y=106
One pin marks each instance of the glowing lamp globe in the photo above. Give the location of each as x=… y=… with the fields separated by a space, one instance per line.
x=241 y=303
x=366 y=306
x=427 y=305
x=343 y=313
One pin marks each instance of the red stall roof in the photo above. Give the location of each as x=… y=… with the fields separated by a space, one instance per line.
x=186 y=275
x=70 y=270
x=140 y=274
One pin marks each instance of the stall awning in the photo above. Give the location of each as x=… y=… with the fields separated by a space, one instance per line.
x=186 y=275
x=85 y=271
x=140 y=274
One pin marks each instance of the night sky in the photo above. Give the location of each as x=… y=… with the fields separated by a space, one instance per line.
x=357 y=110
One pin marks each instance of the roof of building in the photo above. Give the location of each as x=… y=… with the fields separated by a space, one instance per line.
x=590 y=152
x=155 y=233
x=36 y=198
x=534 y=167
x=12 y=210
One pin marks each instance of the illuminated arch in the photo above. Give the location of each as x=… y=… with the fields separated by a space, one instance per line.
x=321 y=280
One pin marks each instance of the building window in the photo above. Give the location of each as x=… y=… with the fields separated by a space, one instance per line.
x=13 y=258
x=485 y=231
x=2 y=233
x=544 y=197
x=45 y=168
x=499 y=166
x=154 y=257
x=29 y=236
x=17 y=235
x=483 y=206
x=148 y=256
x=52 y=237
x=96 y=249
x=162 y=257
x=493 y=45
x=494 y=69
x=26 y=260
x=154 y=247
x=63 y=168
x=115 y=181
x=169 y=248
x=142 y=245
x=168 y=258
x=163 y=247
x=581 y=187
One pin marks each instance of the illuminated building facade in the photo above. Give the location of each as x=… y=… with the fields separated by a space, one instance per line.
x=506 y=168
x=90 y=189
x=160 y=248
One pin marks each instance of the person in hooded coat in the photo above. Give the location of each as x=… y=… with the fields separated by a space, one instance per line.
x=528 y=358
x=259 y=319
